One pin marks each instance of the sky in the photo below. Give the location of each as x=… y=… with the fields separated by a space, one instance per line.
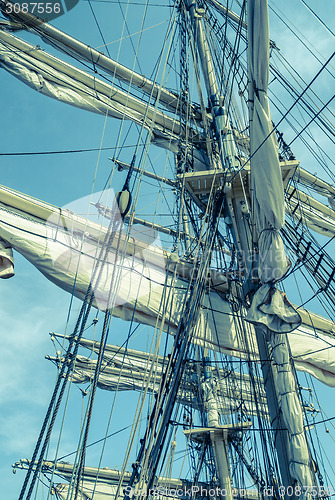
x=30 y=305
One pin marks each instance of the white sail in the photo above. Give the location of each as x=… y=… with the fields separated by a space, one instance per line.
x=105 y=491
x=201 y=201
x=68 y=44
x=64 y=249
x=125 y=370
x=313 y=213
x=269 y=307
x=101 y=490
x=317 y=184
x=105 y=483
x=54 y=78
x=6 y=260
x=266 y=179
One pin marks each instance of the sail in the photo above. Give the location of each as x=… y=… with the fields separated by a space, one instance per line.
x=130 y=370
x=147 y=287
x=318 y=185
x=311 y=212
x=6 y=260
x=68 y=44
x=101 y=490
x=104 y=491
x=105 y=483
x=54 y=78
x=270 y=310
x=212 y=208
x=267 y=186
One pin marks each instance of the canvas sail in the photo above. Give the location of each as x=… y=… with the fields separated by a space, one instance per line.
x=270 y=310
x=106 y=482
x=311 y=212
x=130 y=370
x=148 y=289
x=54 y=78
x=318 y=185
x=141 y=282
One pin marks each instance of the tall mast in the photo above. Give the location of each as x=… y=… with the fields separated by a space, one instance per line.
x=217 y=434
x=224 y=133
x=268 y=217
x=287 y=455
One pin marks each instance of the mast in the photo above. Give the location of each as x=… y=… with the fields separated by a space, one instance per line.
x=268 y=217
x=218 y=434
x=223 y=129
x=287 y=456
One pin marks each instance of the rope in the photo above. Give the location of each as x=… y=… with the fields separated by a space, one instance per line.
x=65 y=151
x=99 y=29
x=317 y=17
x=285 y=114
x=69 y=358
x=312 y=119
x=97 y=371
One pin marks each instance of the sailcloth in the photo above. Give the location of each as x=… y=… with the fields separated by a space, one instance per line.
x=127 y=369
x=64 y=247
x=62 y=81
x=100 y=490
x=311 y=212
x=269 y=307
x=267 y=186
x=54 y=78
x=6 y=260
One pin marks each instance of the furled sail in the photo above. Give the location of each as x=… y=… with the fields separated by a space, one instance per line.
x=311 y=212
x=127 y=369
x=106 y=483
x=100 y=489
x=103 y=491
x=54 y=78
x=150 y=288
x=68 y=44
x=6 y=260
x=318 y=185
x=270 y=310
x=266 y=180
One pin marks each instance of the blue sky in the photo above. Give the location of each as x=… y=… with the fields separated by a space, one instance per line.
x=30 y=305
